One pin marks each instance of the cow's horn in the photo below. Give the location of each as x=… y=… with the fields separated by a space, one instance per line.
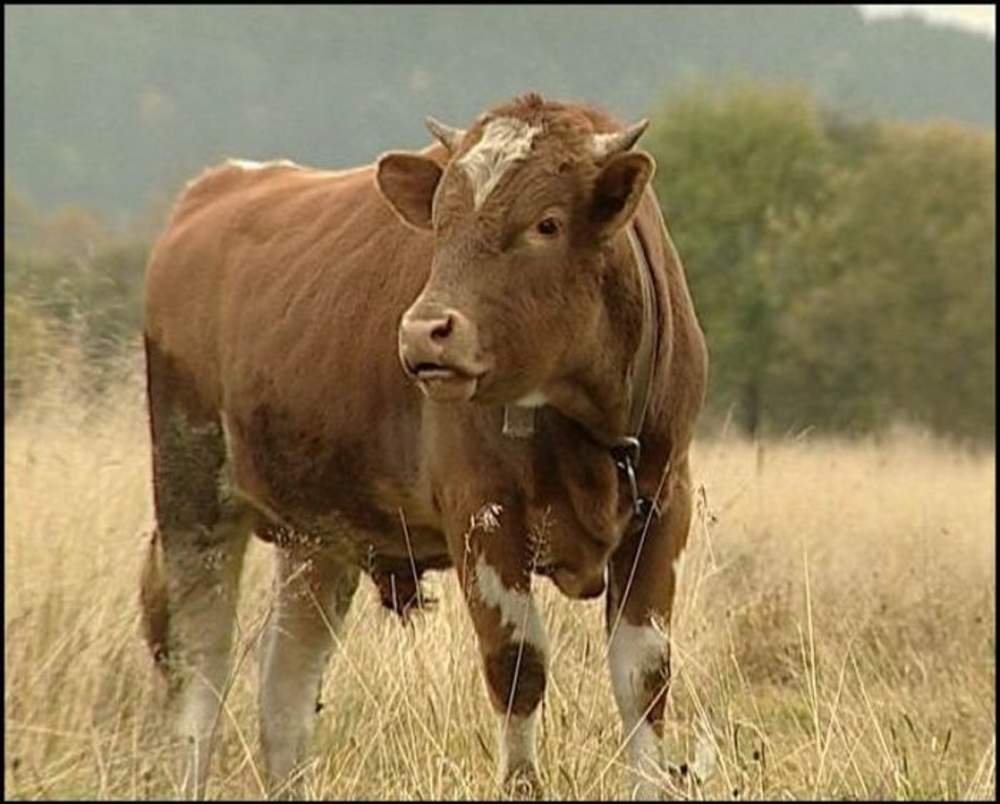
x=449 y=137
x=609 y=144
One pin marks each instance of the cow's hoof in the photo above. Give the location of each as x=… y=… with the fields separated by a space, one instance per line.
x=523 y=784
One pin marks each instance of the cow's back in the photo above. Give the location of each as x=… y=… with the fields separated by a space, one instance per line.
x=274 y=297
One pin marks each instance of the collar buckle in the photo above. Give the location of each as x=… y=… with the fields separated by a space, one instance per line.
x=626 y=453
x=626 y=457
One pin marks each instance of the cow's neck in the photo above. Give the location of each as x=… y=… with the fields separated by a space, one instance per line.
x=607 y=394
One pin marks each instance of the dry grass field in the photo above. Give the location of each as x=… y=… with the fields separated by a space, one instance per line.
x=834 y=636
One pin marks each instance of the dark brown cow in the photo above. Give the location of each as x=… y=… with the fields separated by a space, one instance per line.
x=461 y=340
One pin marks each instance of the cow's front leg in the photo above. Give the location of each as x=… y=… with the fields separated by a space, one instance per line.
x=494 y=570
x=642 y=581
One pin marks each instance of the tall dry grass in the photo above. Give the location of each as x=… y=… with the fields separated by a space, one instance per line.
x=833 y=637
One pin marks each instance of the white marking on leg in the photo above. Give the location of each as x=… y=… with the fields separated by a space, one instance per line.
x=644 y=765
x=636 y=651
x=517 y=743
x=195 y=724
x=202 y=586
x=199 y=700
x=299 y=639
x=504 y=142
x=197 y=709
x=517 y=609
x=290 y=681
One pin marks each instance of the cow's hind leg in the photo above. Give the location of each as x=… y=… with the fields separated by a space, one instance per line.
x=189 y=586
x=313 y=589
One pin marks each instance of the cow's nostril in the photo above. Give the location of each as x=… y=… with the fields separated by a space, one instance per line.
x=443 y=329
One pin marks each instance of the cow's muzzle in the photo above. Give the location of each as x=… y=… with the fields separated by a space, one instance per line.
x=439 y=350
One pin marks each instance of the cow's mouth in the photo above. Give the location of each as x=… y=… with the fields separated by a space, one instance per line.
x=444 y=383
x=435 y=371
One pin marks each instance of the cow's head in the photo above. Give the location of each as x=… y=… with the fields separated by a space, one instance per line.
x=522 y=214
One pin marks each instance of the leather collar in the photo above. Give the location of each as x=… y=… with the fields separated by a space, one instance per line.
x=519 y=422
x=645 y=362
x=627 y=451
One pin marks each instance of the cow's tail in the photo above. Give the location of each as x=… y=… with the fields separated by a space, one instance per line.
x=153 y=600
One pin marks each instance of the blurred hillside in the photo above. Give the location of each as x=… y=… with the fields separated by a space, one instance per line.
x=844 y=271
x=830 y=184
x=110 y=107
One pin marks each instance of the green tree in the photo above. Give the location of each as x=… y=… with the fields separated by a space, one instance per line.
x=737 y=166
x=844 y=270
x=899 y=320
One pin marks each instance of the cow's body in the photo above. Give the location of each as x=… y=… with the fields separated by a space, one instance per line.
x=279 y=406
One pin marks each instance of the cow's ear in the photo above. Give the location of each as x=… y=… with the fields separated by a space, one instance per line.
x=407 y=182
x=618 y=189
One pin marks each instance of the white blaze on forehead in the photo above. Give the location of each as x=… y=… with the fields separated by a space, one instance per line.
x=517 y=609
x=504 y=142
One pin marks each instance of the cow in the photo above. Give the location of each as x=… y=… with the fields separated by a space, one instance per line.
x=482 y=355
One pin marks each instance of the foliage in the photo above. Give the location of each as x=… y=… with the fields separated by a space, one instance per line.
x=844 y=272
x=66 y=280
x=903 y=321
x=735 y=167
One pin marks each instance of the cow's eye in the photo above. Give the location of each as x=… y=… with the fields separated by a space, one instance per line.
x=548 y=227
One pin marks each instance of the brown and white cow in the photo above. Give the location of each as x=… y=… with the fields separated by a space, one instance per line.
x=461 y=339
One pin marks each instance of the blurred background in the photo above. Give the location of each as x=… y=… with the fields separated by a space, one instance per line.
x=827 y=172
